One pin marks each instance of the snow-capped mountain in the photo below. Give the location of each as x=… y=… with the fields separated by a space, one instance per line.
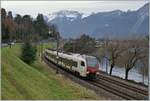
x=144 y=11
x=115 y=23
x=65 y=14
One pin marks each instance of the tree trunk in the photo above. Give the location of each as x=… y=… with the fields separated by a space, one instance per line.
x=111 y=68
x=126 y=74
x=106 y=66
x=143 y=75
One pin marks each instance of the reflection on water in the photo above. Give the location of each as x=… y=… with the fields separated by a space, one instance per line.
x=133 y=73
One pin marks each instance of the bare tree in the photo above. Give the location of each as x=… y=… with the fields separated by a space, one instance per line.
x=131 y=55
x=144 y=60
x=144 y=68
x=112 y=50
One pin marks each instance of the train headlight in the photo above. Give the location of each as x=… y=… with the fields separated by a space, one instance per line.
x=87 y=72
x=97 y=73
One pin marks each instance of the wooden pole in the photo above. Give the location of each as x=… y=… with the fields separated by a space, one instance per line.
x=57 y=38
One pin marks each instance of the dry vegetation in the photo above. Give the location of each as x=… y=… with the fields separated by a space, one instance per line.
x=127 y=53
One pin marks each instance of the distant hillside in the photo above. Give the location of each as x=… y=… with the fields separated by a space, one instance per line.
x=115 y=23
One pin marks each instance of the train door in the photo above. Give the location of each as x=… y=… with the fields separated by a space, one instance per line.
x=82 y=68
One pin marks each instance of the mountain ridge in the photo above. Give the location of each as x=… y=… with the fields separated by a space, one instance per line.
x=115 y=23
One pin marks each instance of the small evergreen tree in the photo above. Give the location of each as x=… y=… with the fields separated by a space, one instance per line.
x=28 y=53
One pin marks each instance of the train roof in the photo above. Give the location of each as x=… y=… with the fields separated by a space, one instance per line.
x=72 y=55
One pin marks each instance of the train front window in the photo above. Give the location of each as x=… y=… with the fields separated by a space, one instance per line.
x=92 y=62
x=82 y=63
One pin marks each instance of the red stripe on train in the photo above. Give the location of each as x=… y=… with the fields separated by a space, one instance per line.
x=92 y=69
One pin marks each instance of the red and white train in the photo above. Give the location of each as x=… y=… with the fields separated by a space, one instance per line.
x=83 y=65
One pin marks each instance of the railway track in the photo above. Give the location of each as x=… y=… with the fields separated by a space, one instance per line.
x=141 y=91
x=113 y=87
x=120 y=90
x=114 y=91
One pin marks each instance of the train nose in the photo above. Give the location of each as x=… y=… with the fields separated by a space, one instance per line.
x=92 y=70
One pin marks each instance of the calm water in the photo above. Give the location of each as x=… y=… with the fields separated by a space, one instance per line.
x=133 y=73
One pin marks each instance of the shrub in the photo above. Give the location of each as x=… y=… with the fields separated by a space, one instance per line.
x=28 y=53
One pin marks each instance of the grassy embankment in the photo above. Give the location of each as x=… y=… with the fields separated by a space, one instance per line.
x=36 y=81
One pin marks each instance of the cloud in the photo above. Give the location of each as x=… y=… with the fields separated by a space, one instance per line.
x=86 y=7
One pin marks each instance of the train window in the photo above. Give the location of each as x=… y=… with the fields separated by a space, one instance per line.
x=69 y=62
x=82 y=63
x=74 y=63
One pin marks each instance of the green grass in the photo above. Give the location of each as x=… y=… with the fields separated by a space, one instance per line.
x=36 y=81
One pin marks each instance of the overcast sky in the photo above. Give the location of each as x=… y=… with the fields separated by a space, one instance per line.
x=46 y=7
